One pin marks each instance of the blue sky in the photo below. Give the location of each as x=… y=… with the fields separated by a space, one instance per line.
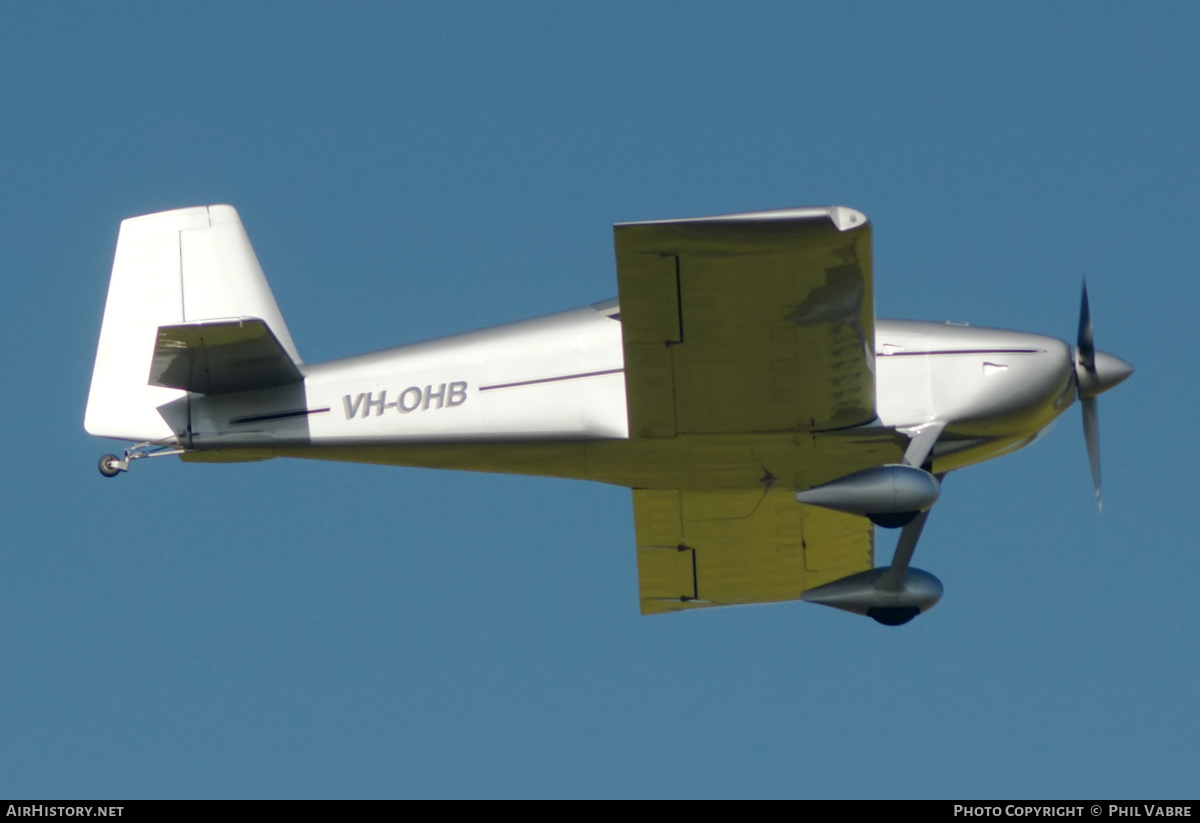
x=405 y=171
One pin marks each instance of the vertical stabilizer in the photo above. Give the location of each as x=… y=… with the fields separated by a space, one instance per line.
x=192 y=265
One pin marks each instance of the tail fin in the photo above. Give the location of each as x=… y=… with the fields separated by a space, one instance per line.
x=188 y=267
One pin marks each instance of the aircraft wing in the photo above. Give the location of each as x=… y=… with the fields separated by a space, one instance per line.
x=723 y=548
x=748 y=323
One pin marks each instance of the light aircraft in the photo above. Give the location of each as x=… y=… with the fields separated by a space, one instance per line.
x=741 y=386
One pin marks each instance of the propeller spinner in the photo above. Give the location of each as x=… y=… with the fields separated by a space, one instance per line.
x=1095 y=373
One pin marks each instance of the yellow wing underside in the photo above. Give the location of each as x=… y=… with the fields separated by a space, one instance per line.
x=736 y=324
x=739 y=327
x=698 y=549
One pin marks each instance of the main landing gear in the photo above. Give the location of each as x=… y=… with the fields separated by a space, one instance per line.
x=111 y=465
x=891 y=496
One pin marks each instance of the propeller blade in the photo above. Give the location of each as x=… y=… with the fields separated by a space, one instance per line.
x=1095 y=373
x=1091 y=433
x=1085 y=351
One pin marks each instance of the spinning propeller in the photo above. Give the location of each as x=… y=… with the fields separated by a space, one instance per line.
x=1095 y=373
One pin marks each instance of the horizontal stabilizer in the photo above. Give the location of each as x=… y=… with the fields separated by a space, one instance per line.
x=220 y=357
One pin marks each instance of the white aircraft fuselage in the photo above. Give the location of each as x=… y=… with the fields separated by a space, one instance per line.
x=555 y=385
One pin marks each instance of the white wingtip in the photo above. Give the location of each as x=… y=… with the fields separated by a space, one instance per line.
x=846 y=218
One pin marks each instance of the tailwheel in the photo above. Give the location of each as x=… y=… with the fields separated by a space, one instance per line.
x=111 y=465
